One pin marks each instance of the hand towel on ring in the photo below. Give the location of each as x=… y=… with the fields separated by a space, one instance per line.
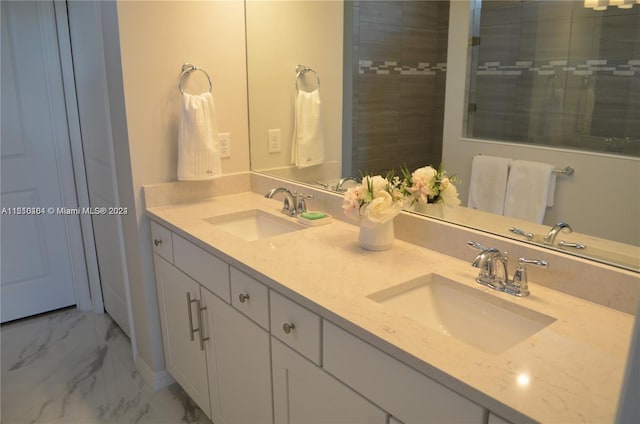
x=198 y=146
x=307 y=147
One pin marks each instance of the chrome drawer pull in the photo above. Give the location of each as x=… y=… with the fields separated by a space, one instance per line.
x=200 y=308
x=287 y=327
x=243 y=297
x=191 y=329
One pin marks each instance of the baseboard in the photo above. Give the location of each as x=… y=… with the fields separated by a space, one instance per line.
x=157 y=380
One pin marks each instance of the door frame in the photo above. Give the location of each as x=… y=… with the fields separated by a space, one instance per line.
x=93 y=286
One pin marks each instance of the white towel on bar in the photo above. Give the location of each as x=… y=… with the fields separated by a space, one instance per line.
x=307 y=147
x=488 y=183
x=198 y=146
x=530 y=190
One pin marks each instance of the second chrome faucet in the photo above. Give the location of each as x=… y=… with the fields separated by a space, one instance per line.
x=494 y=272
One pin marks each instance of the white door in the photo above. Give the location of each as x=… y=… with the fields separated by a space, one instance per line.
x=38 y=267
x=305 y=393
x=183 y=355
x=238 y=364
x=97 y=143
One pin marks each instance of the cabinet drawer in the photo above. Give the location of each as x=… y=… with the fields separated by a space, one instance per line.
x=250 y=297
x=402 y=391
x=161 y=241
x=202 y=266
x=304 y=337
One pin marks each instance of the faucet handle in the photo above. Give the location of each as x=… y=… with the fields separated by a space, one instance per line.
x=476 y=245
x=521 y=232
x=302 y=204
x=519 y=286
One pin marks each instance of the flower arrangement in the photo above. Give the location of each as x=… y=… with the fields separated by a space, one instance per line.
x=428 y=185
x=377 y=198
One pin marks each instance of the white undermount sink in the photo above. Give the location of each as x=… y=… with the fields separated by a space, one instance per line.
x=253 y=224
x=474 y=317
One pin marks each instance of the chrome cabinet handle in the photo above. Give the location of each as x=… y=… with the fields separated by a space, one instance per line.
x=200 y=308
x=192 y=331
x=243 y=297
x=287 y=327
x=157 y=242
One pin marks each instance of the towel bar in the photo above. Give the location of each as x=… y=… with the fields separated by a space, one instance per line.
x=301 y=70
x=567 y=170
x=187 y=68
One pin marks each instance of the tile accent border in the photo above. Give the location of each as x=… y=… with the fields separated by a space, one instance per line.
x=622 y=68
x=379 y=67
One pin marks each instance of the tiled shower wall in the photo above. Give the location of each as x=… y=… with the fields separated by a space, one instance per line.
x=556 y=73
x=399 y=70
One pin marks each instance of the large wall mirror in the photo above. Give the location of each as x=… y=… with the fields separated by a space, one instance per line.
x=398 y=81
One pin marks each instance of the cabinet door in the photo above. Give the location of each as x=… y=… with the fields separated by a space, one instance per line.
x=184 y=358
x=305 y=393
x=239 y=367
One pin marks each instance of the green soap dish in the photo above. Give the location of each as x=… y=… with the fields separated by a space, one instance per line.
x=314 y=219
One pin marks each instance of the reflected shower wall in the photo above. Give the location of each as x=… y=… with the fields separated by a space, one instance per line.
x=556 y=73
x=399 y=71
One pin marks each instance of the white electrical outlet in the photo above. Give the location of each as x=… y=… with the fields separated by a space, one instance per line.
x=274 y=140
x=224 y=139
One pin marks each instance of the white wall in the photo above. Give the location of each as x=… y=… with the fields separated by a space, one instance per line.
x=590 y=200
x=281 y=35
x=146 y=44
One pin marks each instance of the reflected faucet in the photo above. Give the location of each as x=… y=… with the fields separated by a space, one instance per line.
x=343 y=180
x=550 y=238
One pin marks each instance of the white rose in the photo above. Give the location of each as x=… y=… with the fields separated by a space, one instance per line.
x=377 y=183
x=424 y=175
x=450 y=195
x=382 y=208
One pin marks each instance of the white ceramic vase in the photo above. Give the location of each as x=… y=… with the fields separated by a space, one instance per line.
x=376 y=235
x=435 y=210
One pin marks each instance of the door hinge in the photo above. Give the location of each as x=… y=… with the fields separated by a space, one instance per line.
x=474 y=41
x=472 y=107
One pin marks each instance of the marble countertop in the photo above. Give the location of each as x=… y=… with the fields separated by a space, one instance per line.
x=571 y=371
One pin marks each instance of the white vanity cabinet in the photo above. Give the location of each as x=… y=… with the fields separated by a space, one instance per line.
x=179 y=318
x=218 y=355
x=246 y=353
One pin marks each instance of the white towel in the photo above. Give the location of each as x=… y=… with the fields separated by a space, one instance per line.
x=198 y=146
x=529 y=190
x=488 y=183
x=307 y=147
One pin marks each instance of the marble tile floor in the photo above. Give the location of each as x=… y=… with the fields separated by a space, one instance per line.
x=76 y=367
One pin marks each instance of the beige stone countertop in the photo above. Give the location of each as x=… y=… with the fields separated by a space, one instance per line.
x=570 y=371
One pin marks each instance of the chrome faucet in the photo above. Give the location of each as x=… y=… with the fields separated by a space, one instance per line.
x=494 y=273
x=289 y=205
x=294 y=203
x=551 y=236
x=343 y=180
x=493 y=266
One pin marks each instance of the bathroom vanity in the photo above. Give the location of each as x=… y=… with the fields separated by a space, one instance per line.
x=301 y=324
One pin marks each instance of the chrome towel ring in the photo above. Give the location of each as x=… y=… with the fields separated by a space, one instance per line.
x=187 y=68
x=301 y=70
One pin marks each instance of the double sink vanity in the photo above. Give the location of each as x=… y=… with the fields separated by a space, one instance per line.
x=266 y=320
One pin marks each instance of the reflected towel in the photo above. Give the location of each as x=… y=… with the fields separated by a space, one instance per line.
x=307 y=147
x=488 y=183
x=530 y=190
x=198 y=147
